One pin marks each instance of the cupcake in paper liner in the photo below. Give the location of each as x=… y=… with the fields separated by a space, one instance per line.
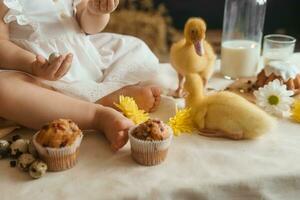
x=57 y=144
x=150 y=142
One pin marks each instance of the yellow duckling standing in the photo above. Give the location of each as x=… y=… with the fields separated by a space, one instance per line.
x=223 y=114
x=193 y=53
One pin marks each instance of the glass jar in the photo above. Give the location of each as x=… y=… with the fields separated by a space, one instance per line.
x=278 y=47
x=242 y=35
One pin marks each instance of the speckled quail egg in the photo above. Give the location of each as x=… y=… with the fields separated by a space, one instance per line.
x=19 y=147
x=38 y=169
x=52 y=57
x=24 y=161
x=32 y=150
x=4 y=148
x=16 y=137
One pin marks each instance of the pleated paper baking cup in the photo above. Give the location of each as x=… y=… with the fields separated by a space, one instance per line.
x=149 y=152
x=59 y=159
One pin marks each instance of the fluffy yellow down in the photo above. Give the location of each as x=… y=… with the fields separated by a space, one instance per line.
x=296 y=111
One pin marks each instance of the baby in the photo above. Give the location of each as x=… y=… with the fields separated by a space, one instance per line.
x=83 y=82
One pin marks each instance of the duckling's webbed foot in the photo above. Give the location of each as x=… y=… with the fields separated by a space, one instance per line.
x=223 y=134
x=179 y=93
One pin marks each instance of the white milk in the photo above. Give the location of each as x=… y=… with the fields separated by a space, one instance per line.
x=240 y=58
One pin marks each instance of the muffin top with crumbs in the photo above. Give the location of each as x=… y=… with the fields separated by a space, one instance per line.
x=151 y=130
x=58 y=134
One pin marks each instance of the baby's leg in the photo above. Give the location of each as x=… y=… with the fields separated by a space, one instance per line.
x=146 y=96
x=23 y=99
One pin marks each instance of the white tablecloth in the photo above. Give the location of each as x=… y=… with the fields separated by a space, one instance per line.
x=196 y=168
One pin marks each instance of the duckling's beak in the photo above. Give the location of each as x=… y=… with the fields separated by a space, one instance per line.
x=199 y=47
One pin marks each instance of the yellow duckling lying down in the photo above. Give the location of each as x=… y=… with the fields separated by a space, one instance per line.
x=223 y=114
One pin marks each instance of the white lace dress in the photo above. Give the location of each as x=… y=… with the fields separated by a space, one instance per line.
x=102 y=63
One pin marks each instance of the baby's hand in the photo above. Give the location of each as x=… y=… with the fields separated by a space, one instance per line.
x=52 y=71
x=102 y=6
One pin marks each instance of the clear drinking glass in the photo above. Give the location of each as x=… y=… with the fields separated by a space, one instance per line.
x=241 y=40
x=278 y=47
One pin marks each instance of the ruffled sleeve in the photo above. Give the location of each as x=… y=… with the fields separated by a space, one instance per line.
x=15 y=12
x=13 y=4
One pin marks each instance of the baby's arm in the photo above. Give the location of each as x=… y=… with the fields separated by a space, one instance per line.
x=15 y=58
x=12 y=56
x=93 y=15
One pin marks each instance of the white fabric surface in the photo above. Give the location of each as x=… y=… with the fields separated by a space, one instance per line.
x=196 y=168
x=102 y=63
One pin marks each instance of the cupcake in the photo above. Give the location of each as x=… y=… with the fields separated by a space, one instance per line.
x=150 y=142
x=57 y=143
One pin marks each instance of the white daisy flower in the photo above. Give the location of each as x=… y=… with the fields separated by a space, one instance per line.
x=275 y=99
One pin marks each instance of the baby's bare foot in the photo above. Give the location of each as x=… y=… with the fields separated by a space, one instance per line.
x=146 y=97
x=114 y=125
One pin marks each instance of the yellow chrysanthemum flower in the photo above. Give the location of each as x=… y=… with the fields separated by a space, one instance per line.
x=182 y=122
x=296 y=111
x=130 y=109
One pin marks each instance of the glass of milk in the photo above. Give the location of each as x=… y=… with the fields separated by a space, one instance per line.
x=278 y=47
x=241 y=39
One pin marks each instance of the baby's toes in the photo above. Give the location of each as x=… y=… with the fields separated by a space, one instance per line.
x=120 y=140
x=155 y=91
x=120 y=137
x=156 y=104
x=156 y=95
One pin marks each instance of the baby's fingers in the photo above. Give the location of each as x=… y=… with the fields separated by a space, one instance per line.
x=120 y=141
x=55 y=65
x=65 y=66
x=110 y=5
x=104 y=5
x=116 y=3
x=40 y=61
x=38 y=66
